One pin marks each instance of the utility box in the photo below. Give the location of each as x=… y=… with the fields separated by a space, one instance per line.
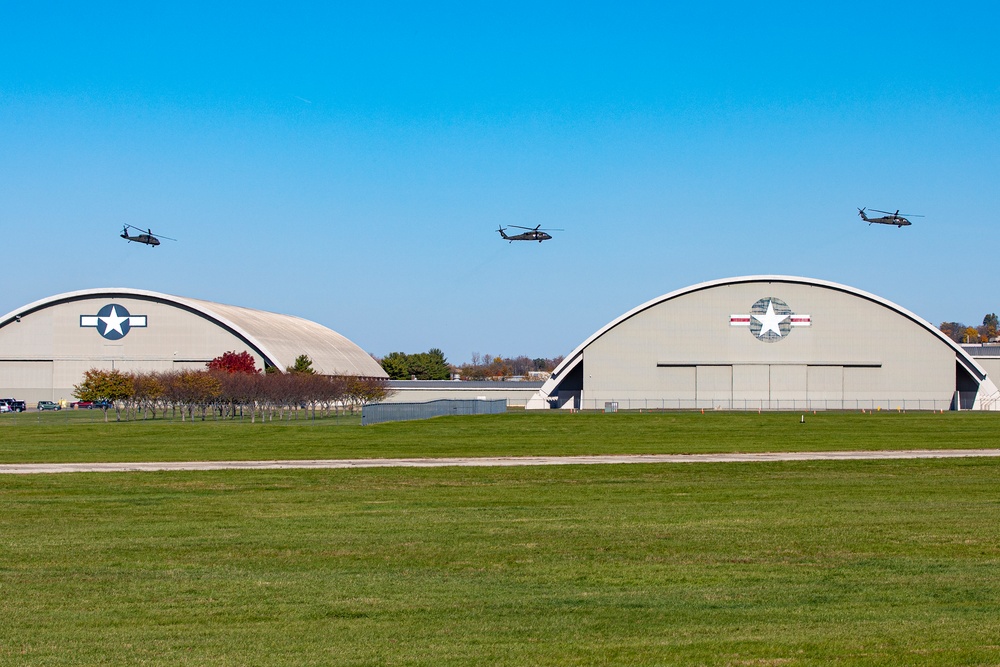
x=611 y=406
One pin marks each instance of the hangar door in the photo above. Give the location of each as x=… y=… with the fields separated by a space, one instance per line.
x=34 y=377
x=714 y=385
x=769 y=385
x=748 y=386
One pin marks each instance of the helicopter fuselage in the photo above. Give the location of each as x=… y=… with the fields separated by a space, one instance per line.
x=532 y=235
x=142 y=238
x=891 y=219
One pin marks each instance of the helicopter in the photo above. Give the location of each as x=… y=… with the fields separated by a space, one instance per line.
x=146 y=237
x=889 y=219
x=533 y=234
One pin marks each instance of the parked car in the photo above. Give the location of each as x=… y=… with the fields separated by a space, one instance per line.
x=4 y=408
x=13 y=405
x=48 y=405
x=82 y=405
x=103 y=405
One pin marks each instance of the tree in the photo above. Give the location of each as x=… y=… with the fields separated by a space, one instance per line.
x=430 y=365
x=146 y=391
x=197 y=388
x=953 y=330
x=361 y=391
x=106 y=387
x=396 y=366
x=437 y=366
x=231 y=362
x=990 y=323
x=303 y=364
x=487 y=367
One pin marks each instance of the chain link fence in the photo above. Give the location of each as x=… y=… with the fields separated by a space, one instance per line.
x=775 y=405
x=376 y=413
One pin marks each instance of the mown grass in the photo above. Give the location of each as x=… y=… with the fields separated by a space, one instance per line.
x=846 y=563
x=55 y=437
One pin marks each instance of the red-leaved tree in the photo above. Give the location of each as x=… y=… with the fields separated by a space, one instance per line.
x=230 y=362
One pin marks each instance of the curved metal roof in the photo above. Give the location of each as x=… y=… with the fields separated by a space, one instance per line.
x=279 y=339
x=576 y=356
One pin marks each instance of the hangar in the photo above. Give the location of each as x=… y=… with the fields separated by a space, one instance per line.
x=768 y=342
x=46 y=346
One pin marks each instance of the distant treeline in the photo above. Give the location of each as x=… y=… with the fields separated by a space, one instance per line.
x=964 y=333
x=432 y=365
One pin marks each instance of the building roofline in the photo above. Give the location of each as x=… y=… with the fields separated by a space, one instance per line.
x=576 y=356
x=198 y=307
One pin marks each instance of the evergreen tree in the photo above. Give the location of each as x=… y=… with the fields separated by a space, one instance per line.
x=303 y=365
x=396 y=366
x=430 y=365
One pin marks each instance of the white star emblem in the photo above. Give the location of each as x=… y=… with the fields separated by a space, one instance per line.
x=769 y=321
x=113 y=322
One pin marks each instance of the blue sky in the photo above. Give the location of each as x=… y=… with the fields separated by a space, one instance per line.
x=351 y=164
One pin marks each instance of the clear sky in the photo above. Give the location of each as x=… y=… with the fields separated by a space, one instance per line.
x=350 y=162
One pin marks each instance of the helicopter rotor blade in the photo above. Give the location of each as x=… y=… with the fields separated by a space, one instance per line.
x=148 y=231
x=878 y=211
x=537 y=229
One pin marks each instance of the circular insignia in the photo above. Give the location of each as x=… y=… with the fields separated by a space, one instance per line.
x=113 y=321
x=770 y=319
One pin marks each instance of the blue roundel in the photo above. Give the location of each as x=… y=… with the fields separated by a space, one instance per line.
x=113 y=321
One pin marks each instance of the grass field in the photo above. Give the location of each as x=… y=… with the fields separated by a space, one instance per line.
x=849 y=563
x=73 y=437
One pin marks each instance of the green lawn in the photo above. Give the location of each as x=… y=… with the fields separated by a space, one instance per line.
x=73 y=436
x=847 y=563
x=808 y=563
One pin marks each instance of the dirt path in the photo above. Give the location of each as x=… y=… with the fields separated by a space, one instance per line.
x=490 y=461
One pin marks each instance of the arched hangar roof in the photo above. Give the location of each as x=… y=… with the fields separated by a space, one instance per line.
x=575 y=358
x=278 y=339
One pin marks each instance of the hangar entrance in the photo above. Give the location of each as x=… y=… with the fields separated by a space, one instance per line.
x=767 y=385
x=761 y=385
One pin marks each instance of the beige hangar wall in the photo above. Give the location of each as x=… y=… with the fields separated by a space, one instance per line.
x=46 y=347
x=767 y=342
x=45 y=353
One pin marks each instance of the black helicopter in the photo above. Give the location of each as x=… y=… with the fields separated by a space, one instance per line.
x=889 y=218
x=533 y=234
x=141 y=237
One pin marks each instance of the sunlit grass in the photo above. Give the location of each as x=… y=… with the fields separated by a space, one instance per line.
x=869 y=563
x=61 y=437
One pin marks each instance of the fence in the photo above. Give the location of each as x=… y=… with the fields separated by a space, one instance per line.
x=376 y=413
x=71 y=417
x=772 y=405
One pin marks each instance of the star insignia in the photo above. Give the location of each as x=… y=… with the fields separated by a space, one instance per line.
x=770 y=321
x=113 y=321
